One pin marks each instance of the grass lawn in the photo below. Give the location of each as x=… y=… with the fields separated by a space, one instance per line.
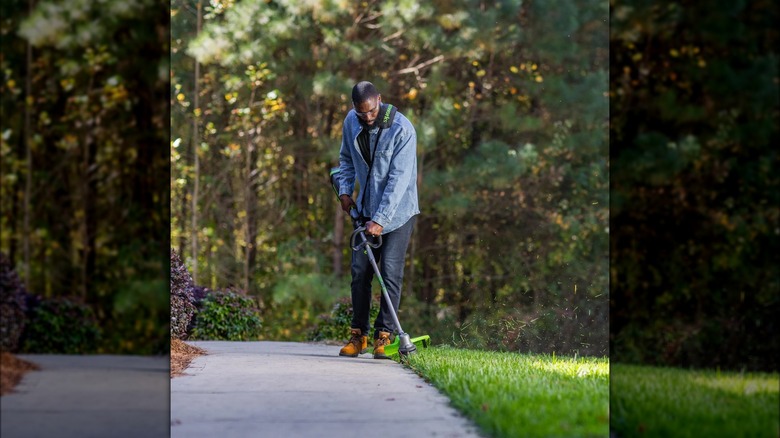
x=517 y=395
x=669 y=402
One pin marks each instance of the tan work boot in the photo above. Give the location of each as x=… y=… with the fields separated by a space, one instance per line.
x=357 y=344
x=379 y=345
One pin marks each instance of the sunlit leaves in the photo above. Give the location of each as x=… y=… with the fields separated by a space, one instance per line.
x=72 y=23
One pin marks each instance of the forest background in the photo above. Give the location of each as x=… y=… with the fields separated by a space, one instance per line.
x=510 y=105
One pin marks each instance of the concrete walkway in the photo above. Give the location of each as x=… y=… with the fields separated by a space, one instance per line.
x=280 y=389
x=89 y=396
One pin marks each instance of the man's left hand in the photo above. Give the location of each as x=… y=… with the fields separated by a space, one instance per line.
x=373 y=228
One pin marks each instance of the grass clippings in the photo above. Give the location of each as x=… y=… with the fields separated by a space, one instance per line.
x=513 y=395
x=669 y=402
x=12 y=369
x=181 y=356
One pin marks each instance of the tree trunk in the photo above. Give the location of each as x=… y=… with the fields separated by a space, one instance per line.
x=183 y=228
x=13 y=191
x=88 y=195
x=28 y=157
x=413 y=249
x=338 y=241
x=250 y=206
x=195 y=138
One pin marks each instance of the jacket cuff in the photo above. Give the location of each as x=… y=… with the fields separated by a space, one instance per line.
x=380 y=219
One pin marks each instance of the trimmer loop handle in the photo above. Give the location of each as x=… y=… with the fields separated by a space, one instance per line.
x=360 y=231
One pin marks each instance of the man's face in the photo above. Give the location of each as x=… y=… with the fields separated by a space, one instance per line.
x=368 y=111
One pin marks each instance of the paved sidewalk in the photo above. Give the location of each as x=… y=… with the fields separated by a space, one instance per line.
x=89 y=396
x=283 y=389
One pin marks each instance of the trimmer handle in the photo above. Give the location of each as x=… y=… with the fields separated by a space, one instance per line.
x=360 y=231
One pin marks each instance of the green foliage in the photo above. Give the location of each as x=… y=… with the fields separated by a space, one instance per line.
x=662 y=402
x=12 y=305
x=334 y=326
x=96 y=220
x=229 y=316
x=61 y=326
x=569 y=396
x=547 y=329
x=140 y=319
x=298 y=299
x=693 y=133
x=312 y=288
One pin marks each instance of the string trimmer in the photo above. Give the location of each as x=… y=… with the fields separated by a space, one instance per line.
x=402 y=344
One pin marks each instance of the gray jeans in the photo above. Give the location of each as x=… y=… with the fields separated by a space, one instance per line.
x=390 y=259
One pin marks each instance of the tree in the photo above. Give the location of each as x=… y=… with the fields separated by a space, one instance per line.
x=85 y=129
x=695 y=112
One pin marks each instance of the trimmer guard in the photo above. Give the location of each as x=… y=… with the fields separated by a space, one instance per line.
x=419 y=342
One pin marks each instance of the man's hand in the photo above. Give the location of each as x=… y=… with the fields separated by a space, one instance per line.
x=373 y=228
x=346 y=203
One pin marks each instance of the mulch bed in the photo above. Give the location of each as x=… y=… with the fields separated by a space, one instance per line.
x=11 y=371
x=181 y=356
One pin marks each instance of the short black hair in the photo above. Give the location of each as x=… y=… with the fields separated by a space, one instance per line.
x=362 y=91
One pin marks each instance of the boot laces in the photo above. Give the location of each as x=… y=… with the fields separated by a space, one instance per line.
x=356 y=339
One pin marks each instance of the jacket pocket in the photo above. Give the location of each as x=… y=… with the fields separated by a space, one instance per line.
x=382 y=161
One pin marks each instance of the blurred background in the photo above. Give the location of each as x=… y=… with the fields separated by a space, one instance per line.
x=510 y=103
x=695 y=200
x=84 y=166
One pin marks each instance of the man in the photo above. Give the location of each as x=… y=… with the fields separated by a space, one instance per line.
x=379 y=151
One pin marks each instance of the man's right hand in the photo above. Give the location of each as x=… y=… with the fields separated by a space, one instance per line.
x=346 y=203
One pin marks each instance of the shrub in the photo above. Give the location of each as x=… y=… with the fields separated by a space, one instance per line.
x=199 y=293
x=60 y=325
x=139 y=318
x=227 y=315
x=335 y=326
x=296 y=302
x=12 y=306
x=182 y=308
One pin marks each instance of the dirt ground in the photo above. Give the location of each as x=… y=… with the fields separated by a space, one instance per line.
x=11 y=371
x=181 y=356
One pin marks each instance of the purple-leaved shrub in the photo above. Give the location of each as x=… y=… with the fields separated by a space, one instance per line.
x=12 y=306
x=182 y=307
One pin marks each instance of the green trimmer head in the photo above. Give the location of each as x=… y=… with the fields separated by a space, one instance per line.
x=423 y=341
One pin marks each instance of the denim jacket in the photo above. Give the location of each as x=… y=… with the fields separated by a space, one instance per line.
x=392 y=197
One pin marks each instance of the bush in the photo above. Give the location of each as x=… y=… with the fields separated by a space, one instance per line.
x=296 y=303
x=12 y=306
x=182 y=308
x=60 y=325
x=199 y=293
x=139 y=318
x=227 y=315
x=335 y=326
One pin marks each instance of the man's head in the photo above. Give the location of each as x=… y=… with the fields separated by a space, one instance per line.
x=366 y=100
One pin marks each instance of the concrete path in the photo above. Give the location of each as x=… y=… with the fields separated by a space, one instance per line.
x=281 y=389
x=89 y=396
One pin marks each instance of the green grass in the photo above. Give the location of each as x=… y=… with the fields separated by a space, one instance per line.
x=517 y=395
x=668 y=402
